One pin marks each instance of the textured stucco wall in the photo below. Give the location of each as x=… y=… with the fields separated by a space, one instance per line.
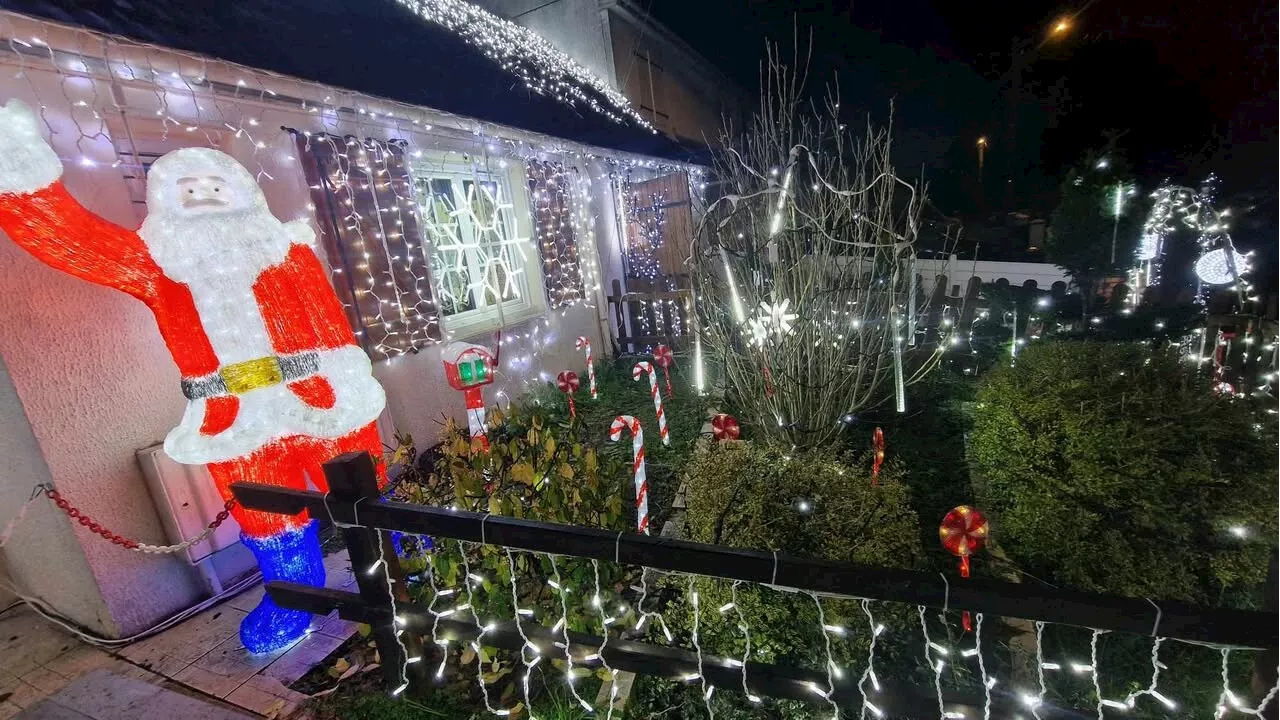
x=46 y=536
x=96 y=382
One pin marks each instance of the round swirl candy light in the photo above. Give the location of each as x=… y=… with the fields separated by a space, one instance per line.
x=1212 y=267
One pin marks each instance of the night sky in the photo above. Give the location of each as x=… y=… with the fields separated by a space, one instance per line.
x=1180 y=87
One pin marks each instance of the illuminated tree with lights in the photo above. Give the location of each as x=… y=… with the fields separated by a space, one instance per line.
x=804 y=269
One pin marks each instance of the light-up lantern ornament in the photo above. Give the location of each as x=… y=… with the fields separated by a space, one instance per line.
x=664 y=358
x=1212 y=267
x=275 y=382
x=963 y=532
x=877 y=447
x=468 y=368
x=568 y=383
x=725 y=427
x=582 y=343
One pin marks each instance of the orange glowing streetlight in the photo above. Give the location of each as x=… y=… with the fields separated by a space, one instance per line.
x=982 y=152
x=1061 y=27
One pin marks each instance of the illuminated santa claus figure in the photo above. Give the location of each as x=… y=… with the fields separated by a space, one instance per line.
x=274 y=380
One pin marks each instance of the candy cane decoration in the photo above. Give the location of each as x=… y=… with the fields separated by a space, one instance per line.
x=637 y=463
x=664 y=358
x=568 y=383
x=579 y=344
x=638 y=372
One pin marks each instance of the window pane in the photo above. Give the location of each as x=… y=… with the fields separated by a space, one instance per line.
x=447 y=238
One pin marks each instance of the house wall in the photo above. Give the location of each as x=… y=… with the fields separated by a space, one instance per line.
x=961 y=272
x=94 y=379
x=656 y=78
x=578 y=27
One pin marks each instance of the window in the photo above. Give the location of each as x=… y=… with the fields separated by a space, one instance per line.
x=477 y=229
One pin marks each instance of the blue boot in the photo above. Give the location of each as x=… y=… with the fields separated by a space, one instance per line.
x=292 y=555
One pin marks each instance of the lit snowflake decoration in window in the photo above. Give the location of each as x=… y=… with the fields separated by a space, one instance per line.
x=771 y=319
x=544 y=68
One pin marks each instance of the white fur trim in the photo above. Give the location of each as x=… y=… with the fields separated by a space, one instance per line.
x=270 y=413
x=27 y=163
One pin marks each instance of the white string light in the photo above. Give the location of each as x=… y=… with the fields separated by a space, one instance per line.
x=987 y=682
x=697 y=648
x=468 y=579
x=870 y=672
x=562 y=627
x=605 y=622
x=833 y=671
x=935 y=665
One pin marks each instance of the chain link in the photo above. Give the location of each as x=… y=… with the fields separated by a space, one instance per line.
x=93 y=526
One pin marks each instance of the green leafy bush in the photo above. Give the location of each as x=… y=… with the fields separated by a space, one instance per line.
x=812 y=504
x=1111 y=468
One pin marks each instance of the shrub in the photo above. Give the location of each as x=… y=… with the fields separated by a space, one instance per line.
x=1114 y=469
x=812 y=504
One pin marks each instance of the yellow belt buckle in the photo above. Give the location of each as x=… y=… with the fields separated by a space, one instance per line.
x=242 y=377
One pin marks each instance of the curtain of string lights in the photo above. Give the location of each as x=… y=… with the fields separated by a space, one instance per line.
x=723 y=623
x=113 y=106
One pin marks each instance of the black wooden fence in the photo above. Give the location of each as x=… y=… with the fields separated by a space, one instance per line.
x=354 y=503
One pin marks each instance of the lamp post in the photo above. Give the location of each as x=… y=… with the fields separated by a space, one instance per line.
x=982 y=154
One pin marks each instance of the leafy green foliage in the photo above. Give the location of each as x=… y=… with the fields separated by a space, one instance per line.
x=620 y=395
x=1111 y=468
x=812 y=504
x=1081 y=227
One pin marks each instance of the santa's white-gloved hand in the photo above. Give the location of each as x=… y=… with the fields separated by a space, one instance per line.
x=27 y=163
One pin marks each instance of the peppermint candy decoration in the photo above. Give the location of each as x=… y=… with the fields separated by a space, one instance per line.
x=964 y=532
x=664 y=358
x=725 y=427
x=567 y=381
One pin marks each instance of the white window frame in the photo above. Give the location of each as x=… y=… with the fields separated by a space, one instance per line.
x=518 y=226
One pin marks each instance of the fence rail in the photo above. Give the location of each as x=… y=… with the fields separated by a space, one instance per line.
x=399 y=625
x=1236 y=628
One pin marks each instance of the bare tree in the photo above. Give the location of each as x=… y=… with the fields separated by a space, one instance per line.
x=805 y=268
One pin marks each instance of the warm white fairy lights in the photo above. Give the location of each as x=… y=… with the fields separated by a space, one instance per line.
x=544 y=68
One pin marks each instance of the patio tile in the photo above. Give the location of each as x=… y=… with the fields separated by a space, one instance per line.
x=49 y=710
x=80 y=660
x=46 y=679
x=303 y=656
x=24 y=694
x=266 y=696
x=176 y=648
x=8 y=710
x=26 y=642
x=334 y=626
x=101 y=694
x=248 y=599
x=225 y=668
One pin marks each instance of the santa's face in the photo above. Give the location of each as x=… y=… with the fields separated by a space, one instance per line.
x=206 y=216
x=205 y=194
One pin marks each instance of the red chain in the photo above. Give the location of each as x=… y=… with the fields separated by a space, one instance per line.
x=74 y=513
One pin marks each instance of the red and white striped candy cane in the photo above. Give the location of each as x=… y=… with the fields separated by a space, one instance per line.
x=580 y=343
x=637 y=463
x=638 y=372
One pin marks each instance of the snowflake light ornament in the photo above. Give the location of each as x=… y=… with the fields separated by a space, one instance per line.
x=770 y=319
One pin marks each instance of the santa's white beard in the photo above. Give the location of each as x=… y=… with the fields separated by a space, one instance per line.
x=235 y=246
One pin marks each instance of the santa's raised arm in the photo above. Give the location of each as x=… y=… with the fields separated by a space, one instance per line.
x=274 y=380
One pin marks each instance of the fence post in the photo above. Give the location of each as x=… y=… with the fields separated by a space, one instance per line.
x=353 y=478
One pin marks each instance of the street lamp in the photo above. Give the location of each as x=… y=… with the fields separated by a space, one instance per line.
x=982 y=152
x=1061 y=27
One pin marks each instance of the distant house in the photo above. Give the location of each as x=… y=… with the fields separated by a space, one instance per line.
x=465 y=179
x=669 y=82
